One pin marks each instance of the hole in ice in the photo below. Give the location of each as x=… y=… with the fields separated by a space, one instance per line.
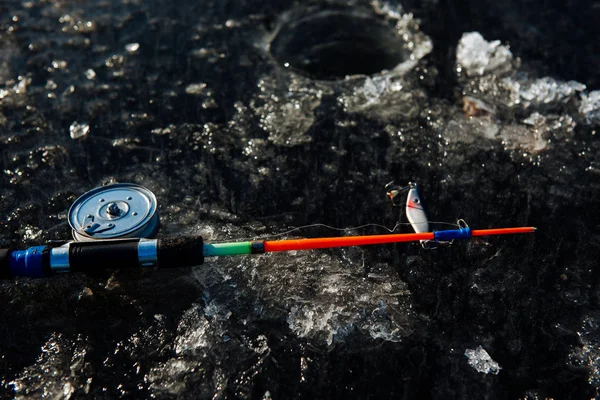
x=335 y=42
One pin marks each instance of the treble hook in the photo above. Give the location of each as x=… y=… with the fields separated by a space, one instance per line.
x=392 y=191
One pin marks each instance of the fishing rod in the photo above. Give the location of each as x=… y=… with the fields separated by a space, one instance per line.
x=111 y=226
x=186 y=251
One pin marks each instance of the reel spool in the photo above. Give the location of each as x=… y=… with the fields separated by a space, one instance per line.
x=118 y=211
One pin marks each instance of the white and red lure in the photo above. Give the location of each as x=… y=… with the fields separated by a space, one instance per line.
x=415 y=211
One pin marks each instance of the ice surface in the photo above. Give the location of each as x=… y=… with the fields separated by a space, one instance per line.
x=481 y=361
x=237 y=146
x=389 y=95
x=327 y=305
x=8 y=52
x=61 y=371
x=306 y=321
x=287 y=113
x=587 y=354
x=384 y=97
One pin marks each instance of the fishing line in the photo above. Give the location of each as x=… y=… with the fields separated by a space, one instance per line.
x=351 y=228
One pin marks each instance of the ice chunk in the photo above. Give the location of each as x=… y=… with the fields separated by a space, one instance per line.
x=489 y=74
x=15 y=96
x=476 y=56
x=384 y=97
x=77 y=130
x=59 y=64
x=132 y=47
x=392 y=10
x=164 y=131
x=204 y=93
x=195 y=88
x=590 y=107
x=90 y=74
x=543 y=91
x=419 y=44
x=481 y=361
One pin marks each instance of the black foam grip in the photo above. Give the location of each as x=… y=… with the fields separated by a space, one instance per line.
x=4 y=263
x=180 y=251
x=90 y=256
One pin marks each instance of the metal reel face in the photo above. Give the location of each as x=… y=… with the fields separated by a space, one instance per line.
x=121 y=210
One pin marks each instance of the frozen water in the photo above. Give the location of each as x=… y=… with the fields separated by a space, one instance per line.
x=590 y=107
x=493 y=82
x=419 y=44
x=327 y=305
x=310 y=321
x=61 y=371
x=78 y=130
x=195 y=88
x=491 y=74
x=541 y=92
x=90 y=74
x=15 y=94
x=470 y=130
x=237 y=146
x=8 y=51
x=194 y=328
x=287 y=113
x=132 y=47
x=477 y=57
x=386 y=97
x=587 y=354
x=481 y=361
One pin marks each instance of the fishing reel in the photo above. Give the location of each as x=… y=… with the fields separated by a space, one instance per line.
x=117 y=211
x=112 y=226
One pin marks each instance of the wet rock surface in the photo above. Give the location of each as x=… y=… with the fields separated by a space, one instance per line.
x=242 y=129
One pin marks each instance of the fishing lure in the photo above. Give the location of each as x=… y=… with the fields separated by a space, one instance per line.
x=414 y=209
x=415 y=212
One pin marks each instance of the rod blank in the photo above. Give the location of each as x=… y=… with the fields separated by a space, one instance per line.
x=183 y=251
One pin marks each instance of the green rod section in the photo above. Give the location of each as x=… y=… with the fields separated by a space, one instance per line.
x=227 y=249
